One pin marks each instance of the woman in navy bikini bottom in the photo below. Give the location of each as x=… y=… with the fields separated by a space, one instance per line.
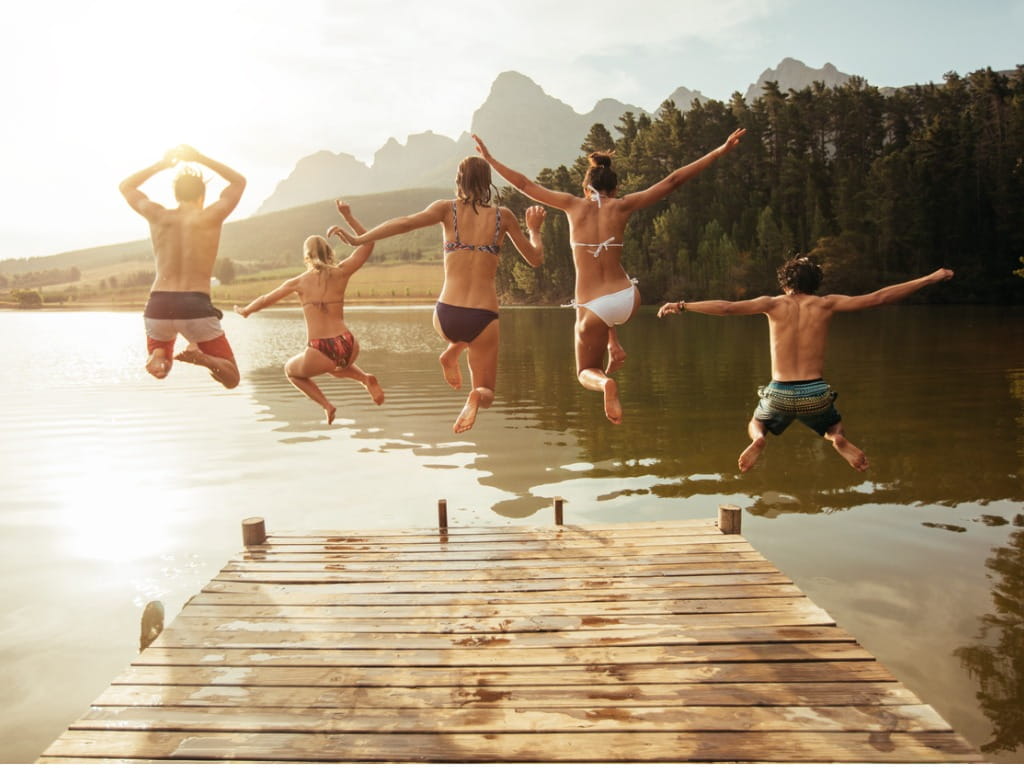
x=466 y=313
x=605 y=295
x=331 y=348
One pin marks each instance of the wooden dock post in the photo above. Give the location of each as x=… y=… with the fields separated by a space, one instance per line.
x=729 y=520
x=442 y=514
x=559 y=501
x=254 y=531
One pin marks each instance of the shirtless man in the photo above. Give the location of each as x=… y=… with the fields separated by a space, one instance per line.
x=798 y=328
x=185 y=241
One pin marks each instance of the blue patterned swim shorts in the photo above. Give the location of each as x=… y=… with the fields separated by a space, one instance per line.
x=811 y=402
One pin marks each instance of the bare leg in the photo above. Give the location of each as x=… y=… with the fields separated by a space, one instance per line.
x=592 y=338
x=854 y=456
x=483 y=372
x=449 y=359
x=749 y=457
x=616 y=354
x=224 y=371
x=158 y=365
x=368 y=380
x=300 y=370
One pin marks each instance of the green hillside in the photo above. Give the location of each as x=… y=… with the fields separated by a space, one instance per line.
x=261 y=250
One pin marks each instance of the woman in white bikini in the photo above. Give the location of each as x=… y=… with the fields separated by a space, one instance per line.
x=466 y=313
x=330 y=347
x=605 y=296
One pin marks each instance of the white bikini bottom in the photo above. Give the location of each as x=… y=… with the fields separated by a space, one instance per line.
x=614 y=308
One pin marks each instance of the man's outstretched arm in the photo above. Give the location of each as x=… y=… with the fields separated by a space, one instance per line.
x=718 y=307
x=888 y=295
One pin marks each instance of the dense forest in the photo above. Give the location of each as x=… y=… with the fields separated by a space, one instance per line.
x=877 y=187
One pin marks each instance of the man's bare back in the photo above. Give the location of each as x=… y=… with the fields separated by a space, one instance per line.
x=798 y=328
x=185 y=242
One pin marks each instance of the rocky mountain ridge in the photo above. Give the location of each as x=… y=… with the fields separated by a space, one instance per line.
x=533 y=129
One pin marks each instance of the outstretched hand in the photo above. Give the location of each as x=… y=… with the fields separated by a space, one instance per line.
x=343 y=208
x=671 y=308
x=941 y=275
x=240 y=311
x=733 y=141
x=341 y=232
x=482 y=148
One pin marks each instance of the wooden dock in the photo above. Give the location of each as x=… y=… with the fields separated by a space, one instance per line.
x=664 y=641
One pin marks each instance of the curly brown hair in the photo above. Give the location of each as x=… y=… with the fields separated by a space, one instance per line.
x=800 y=275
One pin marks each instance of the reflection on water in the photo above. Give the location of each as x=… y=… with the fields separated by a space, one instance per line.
x=999 y=668
x=119 y=489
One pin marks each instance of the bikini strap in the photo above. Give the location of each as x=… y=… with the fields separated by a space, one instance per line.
x=455 y=223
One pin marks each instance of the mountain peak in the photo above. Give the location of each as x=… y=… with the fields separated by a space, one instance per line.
x=794 y=74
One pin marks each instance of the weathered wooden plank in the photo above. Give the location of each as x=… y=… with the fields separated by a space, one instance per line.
x=664 y=608
x=808 y=614
x=563 y=545
x=753 y=632
x=913 y=718
x=853 y=693
x=240 y=593
x=491 y=572
x=340 y=582
x=412 y=561
x=596 y=657
x=660 y=549
x=538 y=747
x=757 y=634
x=634 y=529
x=503 y=677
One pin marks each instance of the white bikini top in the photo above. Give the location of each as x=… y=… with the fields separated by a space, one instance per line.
x=598 y=247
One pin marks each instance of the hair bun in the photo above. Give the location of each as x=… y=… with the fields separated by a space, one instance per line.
x=600 y=159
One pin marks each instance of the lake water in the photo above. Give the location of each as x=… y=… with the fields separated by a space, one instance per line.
x=118 y=489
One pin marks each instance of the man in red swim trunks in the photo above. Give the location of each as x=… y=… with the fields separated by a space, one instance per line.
x=185 y=241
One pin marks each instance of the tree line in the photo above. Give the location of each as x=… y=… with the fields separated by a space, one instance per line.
x=877 y=187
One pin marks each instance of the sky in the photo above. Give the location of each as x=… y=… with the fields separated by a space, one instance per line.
x=92 y=92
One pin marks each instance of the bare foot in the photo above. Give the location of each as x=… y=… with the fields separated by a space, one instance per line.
x=750 y=456
x=468 y=415
x=616 y=356
x=221 y=370
x=158 y=365
x=375 y=390
x=330 y=411
x=854 y=456
x=449 y=360
x=191 y=354
x=612 y=406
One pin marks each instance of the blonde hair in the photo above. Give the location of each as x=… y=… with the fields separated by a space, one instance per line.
x=189 y=185
x=473 y=182
x=317 y=252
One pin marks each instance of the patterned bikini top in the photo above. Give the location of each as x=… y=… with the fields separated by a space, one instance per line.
x=458 y=245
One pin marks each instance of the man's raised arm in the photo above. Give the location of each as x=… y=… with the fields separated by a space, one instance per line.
x=136 y=198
